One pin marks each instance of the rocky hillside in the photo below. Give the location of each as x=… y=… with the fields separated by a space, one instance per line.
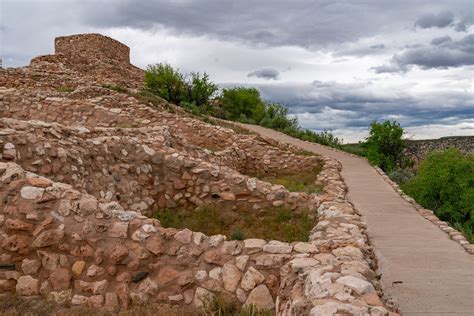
x=87 y=162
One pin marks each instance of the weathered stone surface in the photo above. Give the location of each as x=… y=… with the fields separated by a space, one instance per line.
x=202 y=297
x=230 y=276
x=270 y=260
x=31 y=193
x=27 y=285
x=333 y=308
x=30 y=266
x=298 y=264
x=261 y=298
x=60 y=279
x=118 y=253
x=305 y=247
x=241 y=262
x=48 y=238
x=275 y=246
x=358 y=285
x=78 y=267
x=251 y=278
x=184 y=236
x=119 y=230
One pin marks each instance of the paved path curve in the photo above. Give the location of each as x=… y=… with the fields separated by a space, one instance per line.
x=428 y=273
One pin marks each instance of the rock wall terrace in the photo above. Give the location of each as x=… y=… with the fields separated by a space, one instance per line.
x=80 y=165
x=417 y=149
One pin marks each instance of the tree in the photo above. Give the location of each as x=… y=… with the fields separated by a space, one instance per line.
x=200 y=88
x=241 y=103
x=384 y=145
x=166 y=82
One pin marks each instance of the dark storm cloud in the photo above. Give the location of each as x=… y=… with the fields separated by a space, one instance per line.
x=443 y=52
x=357 y=104
x=266 y=73
x=310 y=24
x=440 y=20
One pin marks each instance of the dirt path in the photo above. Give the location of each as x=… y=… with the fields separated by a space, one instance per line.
x=428 y=273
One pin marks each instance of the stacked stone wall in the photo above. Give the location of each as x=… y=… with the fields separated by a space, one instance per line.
x=92 y=46
x=79 y=168
x=418 y=149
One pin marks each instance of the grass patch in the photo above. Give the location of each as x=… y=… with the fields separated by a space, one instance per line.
x=153 y=100
x=13 y=305
x=114 y=87
x=276 y=223
x=355 y=149
x=65 y=89
x=296 y=182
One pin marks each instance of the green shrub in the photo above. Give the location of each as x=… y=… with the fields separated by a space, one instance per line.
x=445 y=184
x=200 y=89
x=65 y=89
x=166 y=82
x=401 y=176
x=384 y=146
x=242 y=104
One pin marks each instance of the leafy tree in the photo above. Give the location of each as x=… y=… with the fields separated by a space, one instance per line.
x=242 y=104
x=445 y=184
x=384 y=145
x=200 y=88
x=166 y=82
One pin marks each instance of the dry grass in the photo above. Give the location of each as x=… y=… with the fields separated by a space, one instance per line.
x=12 y=305
x=296 y=182
x=276 y=223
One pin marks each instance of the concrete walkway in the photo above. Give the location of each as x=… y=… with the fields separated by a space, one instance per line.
x=428 y=273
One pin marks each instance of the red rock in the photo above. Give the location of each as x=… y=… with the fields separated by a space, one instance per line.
x=30 y=266
x=155 y=245
x=118 y=253
x=16 y=243
x=95 y=301
x=48 y=238
x=50 y=261
x=27 y=286
x=40 y=182
x=17 y=224
x=46 y=222
x=111 y=302
x=60 y=279
x=372 y=299
x=167 y=274
x=122 y=292
x=123 y=277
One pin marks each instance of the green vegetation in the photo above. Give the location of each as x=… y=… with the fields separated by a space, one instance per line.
x=65 y=89
x=296 y=181
x=165 y=81
x=114 y=87
x=193 y=92
x=275 y=223
x=445 y=184
x=384 y=146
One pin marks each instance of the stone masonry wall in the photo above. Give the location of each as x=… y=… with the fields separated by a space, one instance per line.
x=80 y=165
x=417 y=149
x=92 y=46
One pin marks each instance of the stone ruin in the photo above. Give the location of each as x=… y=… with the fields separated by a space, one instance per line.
x=81 y=167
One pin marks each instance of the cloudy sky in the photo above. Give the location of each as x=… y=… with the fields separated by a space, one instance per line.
x=337 y=65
